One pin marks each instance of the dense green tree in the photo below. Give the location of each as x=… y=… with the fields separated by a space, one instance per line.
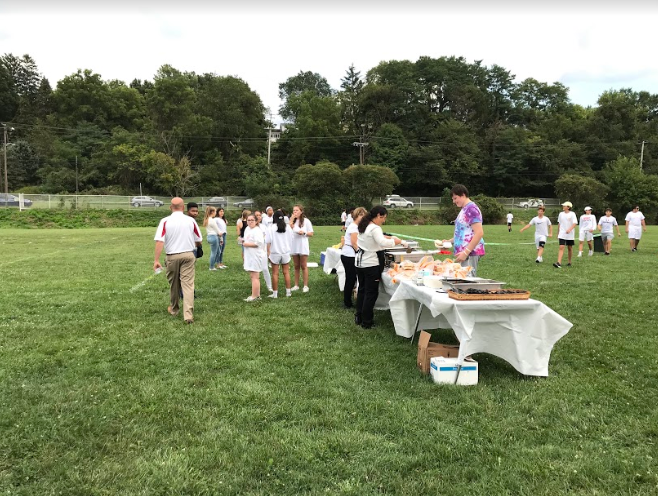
x=304 y=82
x=351 y=116
x=367 y=182
x=9 y=98
x=581 y=191
x=630 y=186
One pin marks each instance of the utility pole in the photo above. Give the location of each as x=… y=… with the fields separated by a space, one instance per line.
x=269 y=140
x=76 y=174
x=361 y=145
x=4 y=127
x=642 y=155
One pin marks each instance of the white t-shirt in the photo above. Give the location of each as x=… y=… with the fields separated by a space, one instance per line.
x=607 y=223
x=179 y=232
x=253 y=256
x=348 y=220
x=634 y=219
x=541 y=225
x=509 y=218
x=267 y=221
x=370 y=242
x=347 y=249
x=280 y=243
x=299 y=241
x=587 y=223
x=343 y=217
x=221 y=225
x=566 y=221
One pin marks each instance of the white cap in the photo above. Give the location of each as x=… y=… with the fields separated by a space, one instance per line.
x=567 y=204
x=588 y=208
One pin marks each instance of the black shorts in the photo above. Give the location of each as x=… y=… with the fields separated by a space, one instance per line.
x=509 y=224
x=566 y=242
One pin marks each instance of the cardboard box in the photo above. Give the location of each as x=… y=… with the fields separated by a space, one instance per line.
x=427 y=350
x=444 y=371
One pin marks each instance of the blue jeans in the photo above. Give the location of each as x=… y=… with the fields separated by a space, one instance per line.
x=214 y=250
x=222 y=246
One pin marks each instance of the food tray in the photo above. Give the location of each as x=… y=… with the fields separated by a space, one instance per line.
x=523 y=295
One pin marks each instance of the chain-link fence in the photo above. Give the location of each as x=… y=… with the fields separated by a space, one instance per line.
x=228 y=202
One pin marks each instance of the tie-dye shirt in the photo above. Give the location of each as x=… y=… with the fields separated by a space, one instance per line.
x=470 y=214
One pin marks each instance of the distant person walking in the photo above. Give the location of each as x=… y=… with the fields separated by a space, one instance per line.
x=586 y=227
x=635 y=225
x=510 y=218
x=606 y=224
x=543 y=230
x=567 y=222
x=178 y=235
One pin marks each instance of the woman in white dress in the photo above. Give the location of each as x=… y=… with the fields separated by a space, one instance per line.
x=279 y=242
x=266 y=270
x=252 y=244
x=302 y=229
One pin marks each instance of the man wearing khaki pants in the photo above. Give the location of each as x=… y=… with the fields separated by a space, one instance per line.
x=179 y=235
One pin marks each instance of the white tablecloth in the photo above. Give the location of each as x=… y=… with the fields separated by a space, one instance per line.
x=521 y=332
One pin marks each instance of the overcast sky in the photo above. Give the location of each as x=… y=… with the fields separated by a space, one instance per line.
x=588 y=46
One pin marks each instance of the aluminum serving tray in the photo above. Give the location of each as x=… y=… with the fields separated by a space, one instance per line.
x=472 y=283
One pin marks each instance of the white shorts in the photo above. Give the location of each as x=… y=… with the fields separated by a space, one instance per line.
x=280 y=259
x=539 y=239
x=607 y=236
x=634 y=232
x=585 y=236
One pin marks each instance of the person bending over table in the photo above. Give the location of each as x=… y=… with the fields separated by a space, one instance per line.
x=467 y=241
x=369 y=263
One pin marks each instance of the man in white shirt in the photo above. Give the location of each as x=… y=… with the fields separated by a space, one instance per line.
x=586 y=228
x=178 y=235
x=343 y=218
x=606 y=223
x=543 y=230
x=635 y=225
x=567 y=222
x=510 y=217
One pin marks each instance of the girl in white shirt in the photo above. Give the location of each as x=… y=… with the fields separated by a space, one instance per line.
x=222 y=224
x=253 y=243
x=266 y=270
x=348 y=254
x=369 y=263
x=279 y=242
x=302 y=230
x=212 y=235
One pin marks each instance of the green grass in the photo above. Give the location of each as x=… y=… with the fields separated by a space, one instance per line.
x=102 y=392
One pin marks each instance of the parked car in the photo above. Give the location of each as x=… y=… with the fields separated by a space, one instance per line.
x=12 y=201
x=145 y=201
x=393 y=201
x=531 y=203
x=215 y=201
x=248 y=203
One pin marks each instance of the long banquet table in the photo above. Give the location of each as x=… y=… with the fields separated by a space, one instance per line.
x=521 y=332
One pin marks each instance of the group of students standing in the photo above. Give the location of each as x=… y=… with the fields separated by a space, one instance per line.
x=270 y=239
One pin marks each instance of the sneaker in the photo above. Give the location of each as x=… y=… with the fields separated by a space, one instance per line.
x=538 y=261
x=569 y=264
x=272 y=296
x=634 y=249
x=580 y=254
x=557 y=265
x=541 y=259
x=223 y=267
x=288 y=294
x=590 y=253
x=250 y=299
x=607 y=253
x=212 y=269
x=294 y=288
x=270 y=290
x=305 y=290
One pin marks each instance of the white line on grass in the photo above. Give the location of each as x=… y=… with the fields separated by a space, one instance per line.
x=143 y=283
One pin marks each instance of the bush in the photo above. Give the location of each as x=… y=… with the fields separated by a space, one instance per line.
x=492 y=211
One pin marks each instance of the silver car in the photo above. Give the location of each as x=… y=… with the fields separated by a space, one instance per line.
x=145 y=201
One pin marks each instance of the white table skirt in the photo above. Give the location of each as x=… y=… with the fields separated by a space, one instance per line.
x=521 y=332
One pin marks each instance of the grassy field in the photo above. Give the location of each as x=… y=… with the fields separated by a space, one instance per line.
x=103 y=393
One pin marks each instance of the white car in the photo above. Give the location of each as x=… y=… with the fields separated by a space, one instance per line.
x=393 y=201
x=531 y=203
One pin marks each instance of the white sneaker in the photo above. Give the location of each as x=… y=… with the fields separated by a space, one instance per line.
x=590 y=253
x=212 y=269
x=223 y=267
x=273 y=295
x=305 y=290
x=250 y=299
x=294 y=288
x=580 y=253
x=541 y=259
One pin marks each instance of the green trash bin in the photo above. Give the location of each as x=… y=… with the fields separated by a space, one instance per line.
x=598 y=244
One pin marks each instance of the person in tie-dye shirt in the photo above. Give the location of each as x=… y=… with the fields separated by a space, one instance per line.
x=467 y=241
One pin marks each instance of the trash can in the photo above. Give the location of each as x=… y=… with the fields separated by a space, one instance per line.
x=598 y=244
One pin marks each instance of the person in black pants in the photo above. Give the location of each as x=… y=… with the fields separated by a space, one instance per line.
x=348 y=253
x=370 y=263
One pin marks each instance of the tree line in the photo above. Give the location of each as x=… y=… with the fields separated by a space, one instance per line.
x=418 y=127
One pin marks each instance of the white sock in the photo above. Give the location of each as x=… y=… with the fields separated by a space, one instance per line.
x=275 y=294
